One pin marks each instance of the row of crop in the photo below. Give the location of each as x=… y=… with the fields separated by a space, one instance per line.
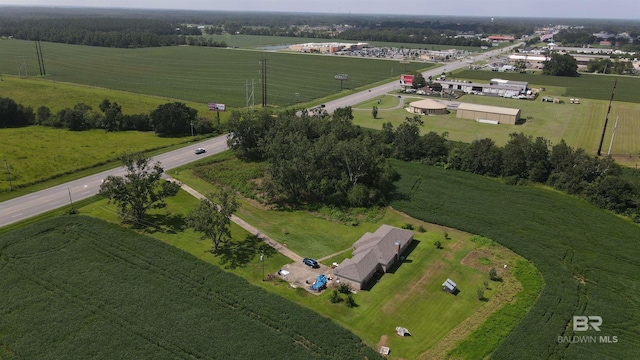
x=160 y=296
x=587 y=256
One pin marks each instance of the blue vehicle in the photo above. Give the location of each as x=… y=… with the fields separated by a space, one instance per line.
x=310 y=262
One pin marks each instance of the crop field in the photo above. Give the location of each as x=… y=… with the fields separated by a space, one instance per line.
x=77 y=287
x=35 y=153
x=589 y=258
x=200 y=74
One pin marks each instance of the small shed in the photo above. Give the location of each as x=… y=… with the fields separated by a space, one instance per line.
x=402 y=331
x=449 y=286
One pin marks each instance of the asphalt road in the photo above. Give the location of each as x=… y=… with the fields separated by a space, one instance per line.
x=52 y=198
x=27 y=206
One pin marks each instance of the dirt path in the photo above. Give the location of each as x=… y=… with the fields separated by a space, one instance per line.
x=334 y=254
x=243 y=224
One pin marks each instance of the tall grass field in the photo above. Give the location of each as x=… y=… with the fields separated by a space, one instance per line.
x=200 y=74
x=78 y=287
x=589 y=258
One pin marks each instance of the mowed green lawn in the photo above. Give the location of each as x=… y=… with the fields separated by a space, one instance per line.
x=78 y=287
x=201 y=74
x=580 y=125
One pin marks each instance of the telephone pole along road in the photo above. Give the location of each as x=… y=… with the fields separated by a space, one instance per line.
x=27 y=206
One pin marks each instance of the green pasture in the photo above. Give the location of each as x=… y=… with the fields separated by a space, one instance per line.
x=580 y=125
x=35 y=92
x=77 y=287
x=200 y=74
x=36 y=153
x=587 y=256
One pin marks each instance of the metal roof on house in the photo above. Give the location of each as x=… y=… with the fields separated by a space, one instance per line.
x=489 y=109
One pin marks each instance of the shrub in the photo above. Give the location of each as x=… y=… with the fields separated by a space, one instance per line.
x=335 y=297
x=422 y=229
x=437 y=244
x=344 y=289
x=407 y=226
x=350 y=302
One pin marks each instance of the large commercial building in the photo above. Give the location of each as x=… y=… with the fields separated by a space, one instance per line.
x=496 y=87
x=485 y=113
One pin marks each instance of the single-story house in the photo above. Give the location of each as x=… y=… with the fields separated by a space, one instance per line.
x=373 y=252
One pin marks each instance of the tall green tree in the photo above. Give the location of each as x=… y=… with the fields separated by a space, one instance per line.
x=173 y=119
x=560 y=65
x=418 y=81
x=139 y=189
x=212 y=217
x=483 y=157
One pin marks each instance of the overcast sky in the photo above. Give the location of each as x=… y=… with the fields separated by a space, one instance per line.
x=611 y=9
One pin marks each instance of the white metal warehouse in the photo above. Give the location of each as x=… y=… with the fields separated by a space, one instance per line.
x=485 y=112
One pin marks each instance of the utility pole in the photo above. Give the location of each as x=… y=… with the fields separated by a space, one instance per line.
x=191 y=128
x=6 y=164
x=71 y=201
x=263 y=62
x=262 y=259
x=606 y=120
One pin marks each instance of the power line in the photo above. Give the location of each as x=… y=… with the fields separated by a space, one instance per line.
x=38 y=57
x=44 y=72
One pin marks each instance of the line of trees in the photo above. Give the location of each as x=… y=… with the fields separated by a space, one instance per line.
x=171 y=119
x=408 y=35
x=99 y=31
x=524 y=160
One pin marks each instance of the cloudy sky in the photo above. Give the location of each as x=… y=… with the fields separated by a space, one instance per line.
x=611 y=9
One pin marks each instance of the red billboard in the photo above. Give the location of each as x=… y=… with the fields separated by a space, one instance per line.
x=406 y=80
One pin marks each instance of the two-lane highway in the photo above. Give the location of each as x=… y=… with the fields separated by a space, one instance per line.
x=52 y=198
